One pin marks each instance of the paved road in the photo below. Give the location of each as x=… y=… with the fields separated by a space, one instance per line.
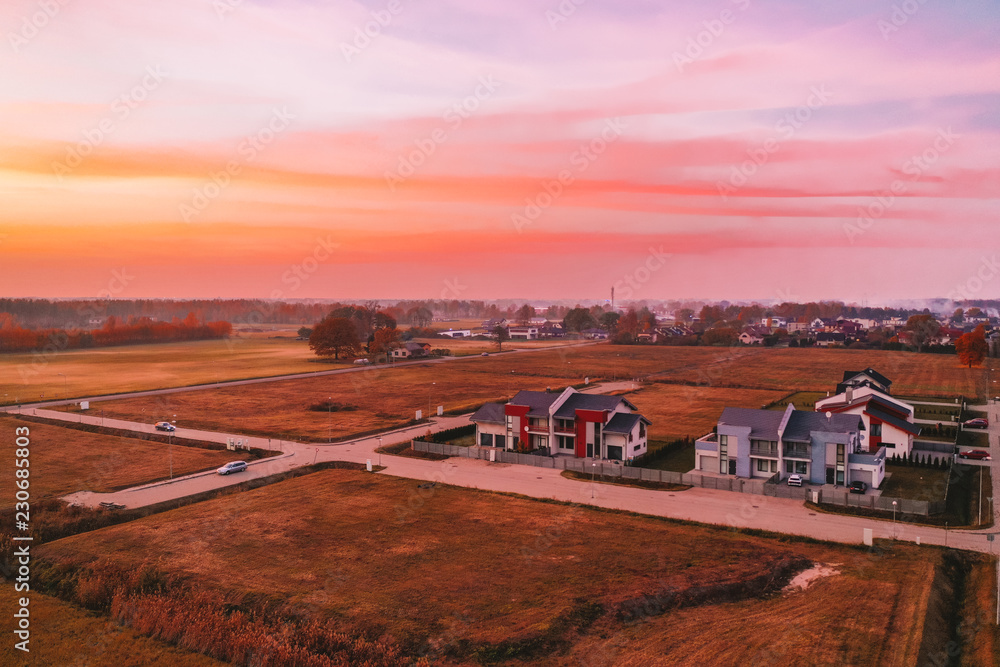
x=277 y=378
x=703 y=505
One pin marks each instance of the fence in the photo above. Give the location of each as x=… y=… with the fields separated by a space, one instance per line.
x=771 y=487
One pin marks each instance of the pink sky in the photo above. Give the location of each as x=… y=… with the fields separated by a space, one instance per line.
x=209 y=148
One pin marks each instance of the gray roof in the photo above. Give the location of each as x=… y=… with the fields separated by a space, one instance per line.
x=538 y=401
x=623 y=422
x=764 y=423
x=580 y=401
x=490 y=413
x=801 y=424
x=870 y=372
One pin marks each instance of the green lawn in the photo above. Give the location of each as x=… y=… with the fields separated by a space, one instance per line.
x=979 y=439
x=680 y=458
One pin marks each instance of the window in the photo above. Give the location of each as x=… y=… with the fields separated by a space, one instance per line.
x=761 y=465
x=564 y=424
x=642 y=429
x=485 y=440
x=789 y=467
x=565 y=442
x=724 y=454
x=774 y=466
x=801 y=468
x=876 y=430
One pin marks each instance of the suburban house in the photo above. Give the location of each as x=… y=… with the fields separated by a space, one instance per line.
x=551 y=330
x=828 y=338
x=568 y=423
x=411 y=349
x=866 y=378
x=457 y=333
x=594 y=334
x=490 y=325
x=754 y=334
x=888 y=422
x=820 y=448
x=524 y=332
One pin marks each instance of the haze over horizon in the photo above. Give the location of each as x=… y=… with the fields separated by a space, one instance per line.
x=739 y=150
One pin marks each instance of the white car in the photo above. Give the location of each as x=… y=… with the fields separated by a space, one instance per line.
x=794 y=480
x=232 y=466
x=165 y=426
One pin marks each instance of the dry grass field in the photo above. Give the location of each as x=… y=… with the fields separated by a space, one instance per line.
x=111 y=370
x=463 y=347
x=62 y=634
x=376 y=398
x=678 y=410
x=65 y=460
x=477 y=577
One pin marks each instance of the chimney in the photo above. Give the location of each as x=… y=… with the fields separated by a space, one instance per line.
x=849 y=394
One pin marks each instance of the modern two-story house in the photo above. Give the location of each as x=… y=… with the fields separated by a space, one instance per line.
x=568 y=423
x=888 y=421
x=821 y=448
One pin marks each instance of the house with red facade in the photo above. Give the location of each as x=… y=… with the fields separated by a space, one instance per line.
x=888 y=421
x=569 y=423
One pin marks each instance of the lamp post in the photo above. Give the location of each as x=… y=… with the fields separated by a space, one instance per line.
x=329 y=409
x=593 y=473
x=171 y=447
x=429 y=390
x=380 y=450
x=979 y=521
x=893 y=519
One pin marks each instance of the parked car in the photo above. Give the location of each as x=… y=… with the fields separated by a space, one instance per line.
x=977 y=454
x=363 y=362
x=979 y=422
x=858 y=487
x=165 y=426
x=232 y=466
x=794 y=480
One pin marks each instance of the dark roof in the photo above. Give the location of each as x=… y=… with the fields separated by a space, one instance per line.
x=538 y=401
x=764 y=423
x=490 y=413
x=888 y=418
x=580 y=401
x=623 y=422
x=834 y=336
x=801 y=424
x=870 y=372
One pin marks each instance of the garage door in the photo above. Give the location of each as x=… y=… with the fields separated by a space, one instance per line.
x=709 y=464
x=866 y=476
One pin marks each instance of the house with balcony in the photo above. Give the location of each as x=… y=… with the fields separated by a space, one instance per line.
x=569 y=423
x=820 y=448
x=888 y=421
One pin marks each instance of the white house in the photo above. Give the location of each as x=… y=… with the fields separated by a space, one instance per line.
x=456 y=333
x=888 y=422
x=524 y=332
x=568 y=423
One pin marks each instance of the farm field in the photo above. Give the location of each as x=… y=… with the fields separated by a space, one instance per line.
x=461 y=347
x=478 y=577
x=112 y=370
x=65 y=460
x=679 y=410
x=373 y=399
x=62 y=634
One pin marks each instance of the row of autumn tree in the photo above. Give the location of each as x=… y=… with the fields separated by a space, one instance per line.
x=14 y=338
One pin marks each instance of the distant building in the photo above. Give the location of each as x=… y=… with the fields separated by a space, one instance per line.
x=456 y=333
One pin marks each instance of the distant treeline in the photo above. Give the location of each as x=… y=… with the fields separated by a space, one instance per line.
x=14 y=338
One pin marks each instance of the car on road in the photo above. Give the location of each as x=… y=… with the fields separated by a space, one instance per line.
x=858 y=487
x=794 y=480
x=485 y=354
x=232 y=466
x=164 y=426
x=976 y=454
x=978 y=422
x=363 y=362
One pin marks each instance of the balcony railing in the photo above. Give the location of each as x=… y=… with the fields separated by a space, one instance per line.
x=764 y=451
x=565 y=430
x=797 y=453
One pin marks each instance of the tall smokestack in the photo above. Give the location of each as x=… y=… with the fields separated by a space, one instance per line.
x=612 y=298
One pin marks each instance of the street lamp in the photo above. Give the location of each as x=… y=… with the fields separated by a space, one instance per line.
x=893 y=519
x=171 y=447
x=329 y=408
x=429 y=399
x=380 y=450
x=593 y=472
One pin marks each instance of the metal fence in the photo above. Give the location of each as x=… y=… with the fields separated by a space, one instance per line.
x=771 y=487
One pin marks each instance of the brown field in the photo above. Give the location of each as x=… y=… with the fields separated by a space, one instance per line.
x=65 y=460
x=112 y=370
x=794 y=369
x=678 y=410
x=62 y=634
x=383 y=398
x=475 y=575
x=463 y=347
